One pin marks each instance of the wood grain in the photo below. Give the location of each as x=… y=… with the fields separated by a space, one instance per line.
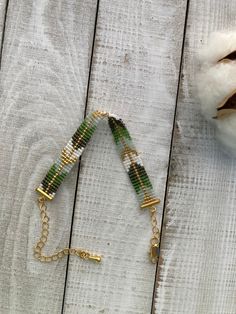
x=198 y=273
x=44 y=78
x=134 y=74
x=3 y=8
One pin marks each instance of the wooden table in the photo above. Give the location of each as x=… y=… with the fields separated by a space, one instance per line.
x=63 y=59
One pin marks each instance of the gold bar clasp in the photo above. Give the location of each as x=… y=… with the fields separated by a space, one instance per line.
x=95 y=258
x=150 y=202
x=44 y=194
x=88 y=256
x=154 y=252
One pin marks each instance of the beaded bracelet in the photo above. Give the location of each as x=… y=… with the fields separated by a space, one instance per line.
x=64 y=163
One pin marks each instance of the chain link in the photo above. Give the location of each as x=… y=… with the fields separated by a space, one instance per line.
x=44 y=237
x=84 y=254
x=155 y=239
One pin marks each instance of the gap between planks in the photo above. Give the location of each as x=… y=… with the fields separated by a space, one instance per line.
x=170 y=155
x=79 y=163
x=2 y=32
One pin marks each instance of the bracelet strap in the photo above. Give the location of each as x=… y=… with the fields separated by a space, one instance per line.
x=68 y=157
x=76 y=145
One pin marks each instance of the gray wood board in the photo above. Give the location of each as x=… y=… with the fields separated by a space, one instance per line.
x=135 y=73
x=45 y=65
x=3 y=9
x=198 y=273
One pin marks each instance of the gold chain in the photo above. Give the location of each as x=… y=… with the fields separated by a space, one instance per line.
x=44 y=237
x=155 y=240
x=84 y=254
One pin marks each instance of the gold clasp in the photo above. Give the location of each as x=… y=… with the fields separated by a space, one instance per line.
x=88 y=256
x=154 y=252
x=95 y=258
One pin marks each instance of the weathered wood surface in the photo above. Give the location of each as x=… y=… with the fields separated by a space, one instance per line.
x=198 y=273
x=3 y=10
x=135 y=69
x=44 y=76
x=134 y=74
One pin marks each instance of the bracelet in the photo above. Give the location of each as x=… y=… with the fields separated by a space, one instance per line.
x=67 y=159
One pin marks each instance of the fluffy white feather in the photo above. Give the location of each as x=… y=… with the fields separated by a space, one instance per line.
x=216 y=81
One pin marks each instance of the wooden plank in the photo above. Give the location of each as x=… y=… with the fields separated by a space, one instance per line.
x=198 y=273
x=3 y=9
x=135 y=72
x=44 y=78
